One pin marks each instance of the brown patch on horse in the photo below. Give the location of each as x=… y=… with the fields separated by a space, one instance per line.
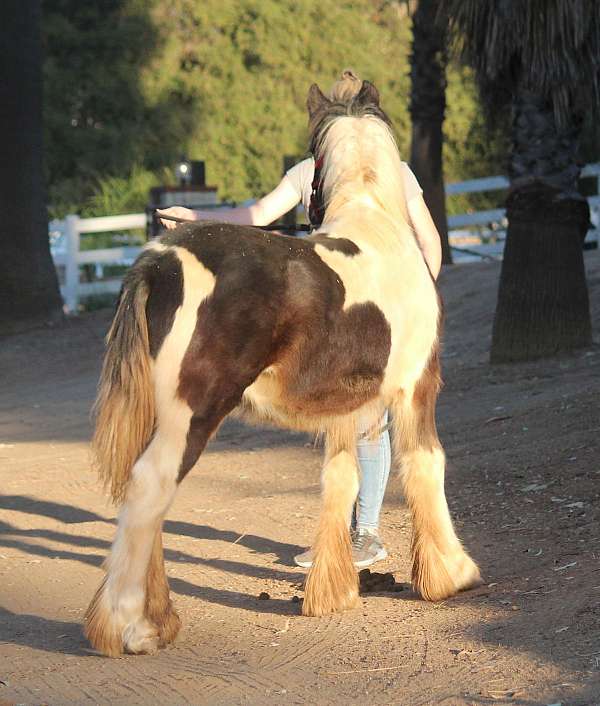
x=424 y=400
x=343 y=245
x=332 y=371
x=164 y=279
x=369 y=176
x=231 y=344
x=158 y=608
x=325 y=369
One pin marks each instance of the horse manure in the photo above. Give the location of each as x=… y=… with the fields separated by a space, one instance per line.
x=264 y=596
x=373 y=582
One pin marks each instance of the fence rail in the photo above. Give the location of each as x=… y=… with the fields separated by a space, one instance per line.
x=65 y=237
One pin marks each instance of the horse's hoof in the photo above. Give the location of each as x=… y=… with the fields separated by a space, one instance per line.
x=316 y=604
x=466 y=573
x=437 y=576
x=141 y=638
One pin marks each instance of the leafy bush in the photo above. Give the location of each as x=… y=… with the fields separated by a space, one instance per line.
x=140 y=83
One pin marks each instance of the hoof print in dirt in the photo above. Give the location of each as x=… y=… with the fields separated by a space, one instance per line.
x=377 y=583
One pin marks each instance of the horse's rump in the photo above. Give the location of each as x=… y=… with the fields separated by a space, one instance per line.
x=275 y=307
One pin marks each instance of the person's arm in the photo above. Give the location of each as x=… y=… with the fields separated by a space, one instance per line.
x=427 y=234
x=266 y=210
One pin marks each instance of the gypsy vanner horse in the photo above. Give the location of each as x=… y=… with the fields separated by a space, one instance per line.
x=312 y=334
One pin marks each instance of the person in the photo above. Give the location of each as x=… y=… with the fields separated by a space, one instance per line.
x=300 y=185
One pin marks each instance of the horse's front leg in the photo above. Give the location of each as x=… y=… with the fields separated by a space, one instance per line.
x=440 y=565
x=332 y=582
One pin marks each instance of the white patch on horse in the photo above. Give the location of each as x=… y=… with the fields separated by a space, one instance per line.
x=155 y=245
x=198 y=284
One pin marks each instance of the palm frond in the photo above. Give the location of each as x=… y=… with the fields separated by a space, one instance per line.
x=550 y=46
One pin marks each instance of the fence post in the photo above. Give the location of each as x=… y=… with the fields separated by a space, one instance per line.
x=72 y=266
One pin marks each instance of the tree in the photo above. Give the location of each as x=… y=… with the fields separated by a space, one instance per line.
x=28 y=282
x=244 y=68
x=99 y=121
x=427 y=108
x=224 y=81
x=541 y=60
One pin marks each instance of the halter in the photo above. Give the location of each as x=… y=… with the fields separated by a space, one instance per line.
x=316 y=209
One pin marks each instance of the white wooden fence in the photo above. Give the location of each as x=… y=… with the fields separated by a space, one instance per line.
x=69 y=257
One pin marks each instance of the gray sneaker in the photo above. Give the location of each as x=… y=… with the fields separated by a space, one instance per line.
x=367 y=549
x=305 y=559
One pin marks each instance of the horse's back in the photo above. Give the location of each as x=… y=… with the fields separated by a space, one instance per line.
x=324 y=318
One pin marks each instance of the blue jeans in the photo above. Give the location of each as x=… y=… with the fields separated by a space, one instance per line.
x=374 y=458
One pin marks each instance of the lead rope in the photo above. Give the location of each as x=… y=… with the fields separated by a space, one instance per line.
x=304 y=227
x=370 y=432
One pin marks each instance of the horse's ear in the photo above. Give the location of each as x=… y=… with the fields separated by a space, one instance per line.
x=368 y=94
x=316 y=100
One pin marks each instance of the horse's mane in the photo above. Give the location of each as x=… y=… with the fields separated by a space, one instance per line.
x=359 y=157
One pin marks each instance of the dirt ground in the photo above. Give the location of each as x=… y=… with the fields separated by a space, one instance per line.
x=523 y=483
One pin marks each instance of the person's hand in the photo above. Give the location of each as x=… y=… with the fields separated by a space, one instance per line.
x=178 y=212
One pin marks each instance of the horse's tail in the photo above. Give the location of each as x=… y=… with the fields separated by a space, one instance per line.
x=124 y=408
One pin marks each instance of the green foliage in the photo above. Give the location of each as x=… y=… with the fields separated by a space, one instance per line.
x=132 y=85
x=471 y=149
x=114 y=195
x=548 y=47
x=98 y=123
x=242 y=69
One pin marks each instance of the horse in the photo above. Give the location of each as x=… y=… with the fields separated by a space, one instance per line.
x=321 y=334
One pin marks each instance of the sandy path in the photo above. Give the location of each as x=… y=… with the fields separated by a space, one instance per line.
x=524 y=489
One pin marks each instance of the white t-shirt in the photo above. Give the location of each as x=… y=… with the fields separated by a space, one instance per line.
x=301 y=176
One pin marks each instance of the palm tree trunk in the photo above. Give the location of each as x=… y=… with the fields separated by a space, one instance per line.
x=28 y=282
x=543 y=305
x=427 y=108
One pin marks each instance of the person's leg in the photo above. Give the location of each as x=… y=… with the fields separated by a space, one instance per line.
x=374 y=458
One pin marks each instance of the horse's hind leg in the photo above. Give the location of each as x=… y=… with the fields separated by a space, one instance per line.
x=131 y=610
x=332 y=582
x=440 y=565
x=158 y=607
x=117 y=616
